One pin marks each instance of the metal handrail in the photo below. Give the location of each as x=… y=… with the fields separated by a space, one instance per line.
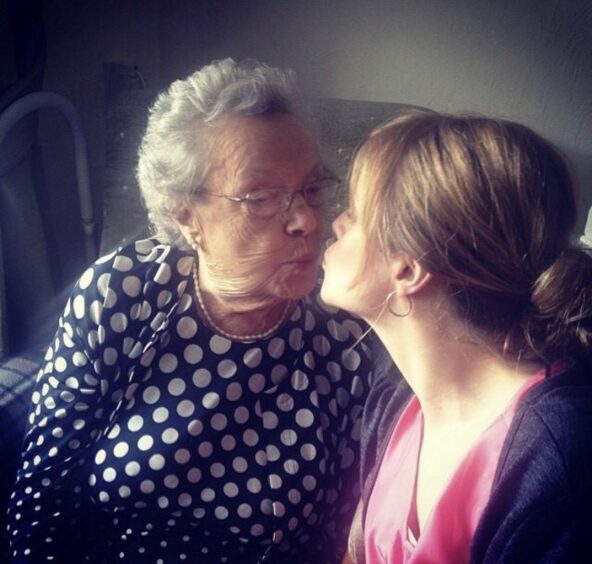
x=41 y=100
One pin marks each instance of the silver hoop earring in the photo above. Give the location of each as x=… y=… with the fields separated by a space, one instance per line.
x=388 y=305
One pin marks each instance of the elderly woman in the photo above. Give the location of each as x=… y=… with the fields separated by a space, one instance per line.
x=198 y=402
x=486 y=308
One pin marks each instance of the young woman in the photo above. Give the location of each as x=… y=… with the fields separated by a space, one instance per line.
x=456 y=250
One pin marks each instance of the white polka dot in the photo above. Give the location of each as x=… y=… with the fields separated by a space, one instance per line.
x=210 y=400
x=163 y=502
x=241 y=415
x=257 y=383
x=171 y=481
x=294 y=496
x=228 y=442
x=122 y=264
x=304 y=417
x=295 y=339
x=176 y=387
x=321 y=345
x=164 y=297
x=151 y=395
x=185 y=408
x=182 y=456
x=193 y=354
x=195 y=427
x=244 y=510
x=186 y=327
x=308 y=451
x=219 y=422
x=278 y=373
x=184 y=265
x=118 y=322
x=234 y=391
x=275 y=481
x=194 y=475
x=226 y=368
x=221 y=512
x=270 y=420
x=120 y=449
x=169 y=436
x=220 y=345
x=100 y=457
x=160 y=415
x=291 y=466
x=132 y=469
x=86 y=279
x=351 y=359
x=124 y=491
x=163 y=274
x=309 y=321
x=156 y=462
x=79 y=359
x=272 y=452
x=309 y=482
x=168 y=363
x=240 y=464
x=132 y=286
x=230 y=489
x=250 y=437
x=252 y=358
x=202 y=378
x=110 y=356
x=285 y=402
x=288 y=437
x=135 y=423
x=217 y=470
x=145 y=442
x=299 y=380
x=147 y=486
x=78 y=306
x=205 y=449
x=276 y=347
x=103 y=283
x=208 y=494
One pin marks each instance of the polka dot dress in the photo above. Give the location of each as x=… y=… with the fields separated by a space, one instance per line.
x=152 y=439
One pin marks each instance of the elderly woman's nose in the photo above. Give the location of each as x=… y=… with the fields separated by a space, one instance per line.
x=302 y=217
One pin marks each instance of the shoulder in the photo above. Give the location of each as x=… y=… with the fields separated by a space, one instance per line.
x=543 y=484
x=554 y=422
x=134 y=285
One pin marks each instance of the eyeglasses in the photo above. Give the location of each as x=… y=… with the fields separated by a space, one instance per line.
x=269 y=202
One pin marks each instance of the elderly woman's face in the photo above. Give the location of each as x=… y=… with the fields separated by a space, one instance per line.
x=268 y=257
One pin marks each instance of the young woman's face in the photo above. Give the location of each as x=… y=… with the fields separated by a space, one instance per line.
x=351 y=282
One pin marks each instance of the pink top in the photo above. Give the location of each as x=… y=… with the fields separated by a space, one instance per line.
x=391 y=516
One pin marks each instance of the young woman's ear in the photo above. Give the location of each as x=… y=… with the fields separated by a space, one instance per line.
x=408 y=275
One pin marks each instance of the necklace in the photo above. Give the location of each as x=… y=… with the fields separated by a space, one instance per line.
x=231 y=336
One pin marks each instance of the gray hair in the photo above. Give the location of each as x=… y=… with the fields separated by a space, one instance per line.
x=173 y=157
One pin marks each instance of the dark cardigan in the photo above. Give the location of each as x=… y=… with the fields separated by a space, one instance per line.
x=540 y=508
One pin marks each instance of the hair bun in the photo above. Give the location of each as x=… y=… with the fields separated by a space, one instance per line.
x=561 y=323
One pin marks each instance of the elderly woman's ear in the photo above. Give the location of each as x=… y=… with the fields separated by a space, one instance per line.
x=189 y=226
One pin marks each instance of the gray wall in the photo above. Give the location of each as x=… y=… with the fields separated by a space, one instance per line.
x=523 y=59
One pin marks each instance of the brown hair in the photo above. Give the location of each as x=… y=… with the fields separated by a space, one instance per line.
x=486 y=206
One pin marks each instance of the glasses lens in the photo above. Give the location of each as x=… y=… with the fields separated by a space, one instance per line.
x=321 y=192
x=266 y=203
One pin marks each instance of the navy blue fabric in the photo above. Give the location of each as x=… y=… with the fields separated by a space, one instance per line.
x=151 y=439
x=17 y=376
